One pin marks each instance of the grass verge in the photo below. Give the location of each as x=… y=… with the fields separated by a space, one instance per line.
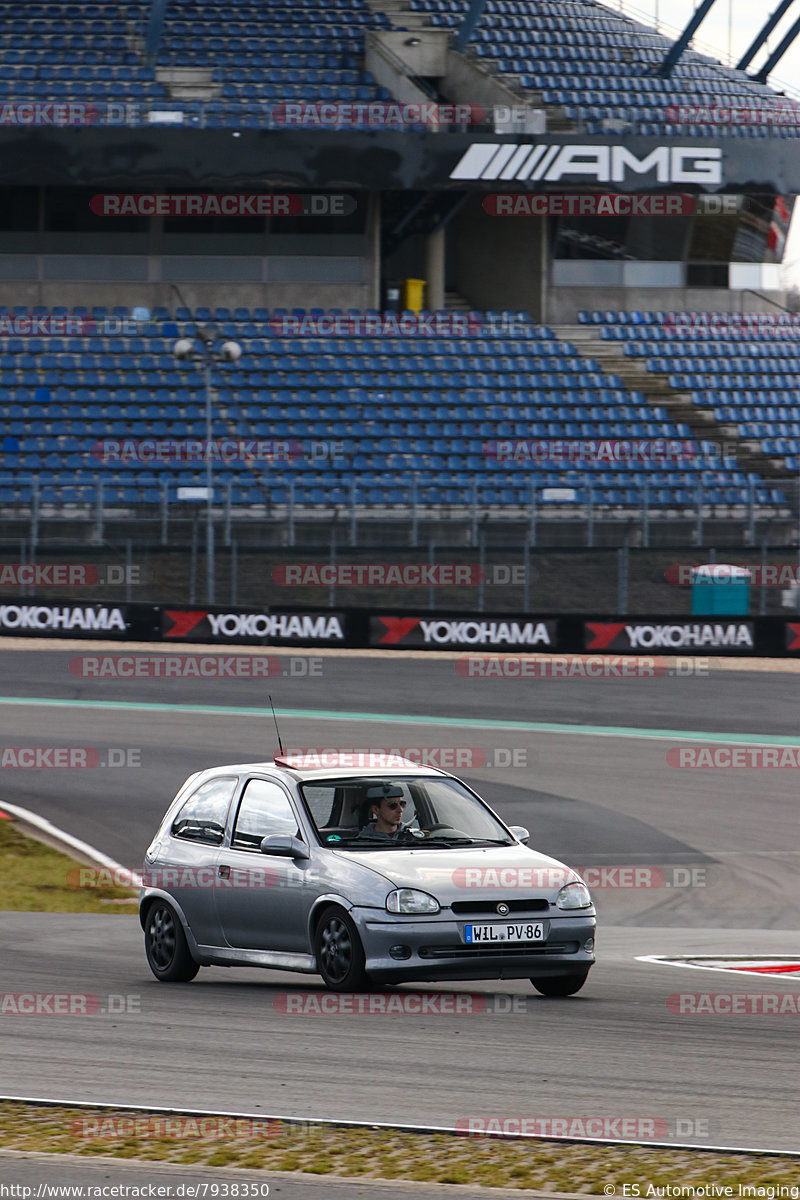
x=38 y=878
x=381 y=1154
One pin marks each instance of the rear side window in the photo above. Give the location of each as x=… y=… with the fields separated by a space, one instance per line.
x=204 y=815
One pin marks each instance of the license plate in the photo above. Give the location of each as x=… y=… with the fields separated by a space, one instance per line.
x=521 y=931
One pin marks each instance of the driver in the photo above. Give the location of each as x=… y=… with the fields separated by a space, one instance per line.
x=386 y=806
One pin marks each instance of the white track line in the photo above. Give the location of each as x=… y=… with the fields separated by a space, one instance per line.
x=121 y=874
x=666 y=960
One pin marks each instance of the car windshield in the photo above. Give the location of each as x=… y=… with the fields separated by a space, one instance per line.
x=434 y=813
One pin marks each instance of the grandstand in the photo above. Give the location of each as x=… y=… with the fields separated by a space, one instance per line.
x=598 y=66
x=216 y=65
x=416 y=419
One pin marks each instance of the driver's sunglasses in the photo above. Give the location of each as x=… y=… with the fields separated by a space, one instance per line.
x=395 y=803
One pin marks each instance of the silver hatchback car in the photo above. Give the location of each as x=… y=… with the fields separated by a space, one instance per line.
x=384 y=873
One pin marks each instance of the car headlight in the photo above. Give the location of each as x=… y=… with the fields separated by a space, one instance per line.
x=574 y=895
x=409 y=900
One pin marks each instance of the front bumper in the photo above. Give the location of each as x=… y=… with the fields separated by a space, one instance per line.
x=437 y=949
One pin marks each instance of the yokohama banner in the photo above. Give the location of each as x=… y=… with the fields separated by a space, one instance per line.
x=318 y=628
x=637 y=636
x=435 y=631
x=512 y=634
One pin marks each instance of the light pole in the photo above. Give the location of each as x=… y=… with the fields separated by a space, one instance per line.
x=184 y=349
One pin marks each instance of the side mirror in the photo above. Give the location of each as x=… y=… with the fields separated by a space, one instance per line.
x=520 y=833
x=284 y=846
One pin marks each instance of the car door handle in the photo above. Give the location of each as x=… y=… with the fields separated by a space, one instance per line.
x=224 y=871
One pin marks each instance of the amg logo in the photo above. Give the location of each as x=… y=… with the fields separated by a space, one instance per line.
x=601 y=164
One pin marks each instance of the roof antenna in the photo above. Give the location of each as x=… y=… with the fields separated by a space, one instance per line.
x=275 y=719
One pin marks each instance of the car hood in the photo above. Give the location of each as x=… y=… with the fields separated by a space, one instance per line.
x=493 y=873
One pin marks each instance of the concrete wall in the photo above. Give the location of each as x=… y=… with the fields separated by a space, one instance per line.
x=428 y=59
x=469 y=83
x=563 y=304
x=500 y=261
x=209 y=295
x=296 y=271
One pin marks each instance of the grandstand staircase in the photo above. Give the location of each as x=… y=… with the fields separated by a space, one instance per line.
x=402 y=17
x=701 y=419
x=189 y=83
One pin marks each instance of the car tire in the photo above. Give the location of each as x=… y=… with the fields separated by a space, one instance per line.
x=165 y=945
x=339 y=953
x=560 y=985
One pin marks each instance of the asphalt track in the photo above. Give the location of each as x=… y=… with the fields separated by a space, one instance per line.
x=717 y=850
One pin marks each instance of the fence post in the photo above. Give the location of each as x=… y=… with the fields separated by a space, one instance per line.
x=353 y=521
x=532 y=525
x=227 y=532
x=751 y=513
x=290 y=514
x=98 y=530
x=193 y=563
x=415 y=510
x=431 y=560
x=590 y=518
x=698 y=496
x=762 y=591
x=332 y=588
x=234 y=573
x=622 y=578
x=164 y=512
x=482 y=568
x=23 y=558
x=526 y=591
x=474 y=513
x=128 y=569
x=646 y=514
x=36 y=498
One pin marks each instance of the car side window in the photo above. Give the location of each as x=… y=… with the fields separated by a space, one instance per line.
x=263 y=810
x=204 y=815
x=321 y=802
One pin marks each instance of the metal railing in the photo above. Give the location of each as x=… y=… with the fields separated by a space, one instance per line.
x=581 y=519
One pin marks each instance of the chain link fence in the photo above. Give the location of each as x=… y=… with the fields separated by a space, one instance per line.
x=438 y=574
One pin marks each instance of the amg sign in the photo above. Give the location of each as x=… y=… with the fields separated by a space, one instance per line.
x=598 y=164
